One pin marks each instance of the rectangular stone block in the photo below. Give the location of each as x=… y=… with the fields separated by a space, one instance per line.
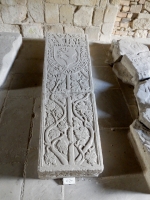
x=110 y=14
x=69 y=138
x=51 y=13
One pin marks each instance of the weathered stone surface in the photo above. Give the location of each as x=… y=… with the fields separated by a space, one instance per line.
x=141 y=33
x=107 y=28
x=51 y=13
x=58 y=1
x=98 y=16
x=138 y=65
x=143 y=15
x=13 y=14
x=36 y=10
x=140 y=138
x=103 y=3
x=84 y=2
x=115 y=2
x=144 y=117
x=66 y=14
x=122 y=73
x=147 y=6
x=9 y=28
x=93 y=33
x=73 y=30
x=143 y=23
x=83 y=17
x=13 y=2
x=110 y=14
x=10 y=44
x=53 y=29
x=32 y=31
x=136 y=8
x=69 y=143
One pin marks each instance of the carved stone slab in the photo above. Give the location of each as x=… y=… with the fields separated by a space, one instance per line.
x=69 y=139
x=9 y=46
x=138 y=65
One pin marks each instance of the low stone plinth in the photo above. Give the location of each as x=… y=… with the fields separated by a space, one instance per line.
x=9 y=47
x=69 y=138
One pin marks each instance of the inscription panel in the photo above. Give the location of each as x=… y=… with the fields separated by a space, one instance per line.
x=69 y=140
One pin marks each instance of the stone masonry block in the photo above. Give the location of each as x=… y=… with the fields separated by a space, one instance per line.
x=143 y=23
x=84 y=2
x=110 y=14
x=66 y=14
x=136 y=8
x=83 y=17
x=51 y=13
x=9 y=28
x=13 y=14
x=147 y=6
x=13 y=2
x=93 y=33
x=32 y=31
x=69 y=138
x=107 y=28
x=58 y=1
x=115 y=2
x=53 y=29
x=103 y=4
x=74 y=30
x=98 y=16
x=36 y=10
x=10 y=44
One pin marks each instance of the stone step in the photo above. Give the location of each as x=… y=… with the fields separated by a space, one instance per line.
x=69 y=139
x=10 y=44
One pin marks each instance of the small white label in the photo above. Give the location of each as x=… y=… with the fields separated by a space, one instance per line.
x=68 y=181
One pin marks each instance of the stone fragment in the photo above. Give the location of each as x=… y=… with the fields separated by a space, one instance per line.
x=123 y=74
x=69 y=138
x=144 y=117
x=10 y=44
x=93 y=33
x=83 y=2
x=141 y=33
x=13 y=14
x=53 y=29
x=136 y=8
x=83 y=16
x=110 y=14
x=140 y=138
x=98 y=16
x=32 y=31
x=66 y=14
x=147 y=6
x=143 y=23
x=36 y=10
x=138 y=65
x=9 y=28
x=58 y=1
x=74 y=30
x=51 y=13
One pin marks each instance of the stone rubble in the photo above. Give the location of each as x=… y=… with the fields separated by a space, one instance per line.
x=10 y=44
x=69 y=138
x=131 y=64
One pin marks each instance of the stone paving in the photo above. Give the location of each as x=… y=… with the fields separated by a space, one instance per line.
x=20 y=101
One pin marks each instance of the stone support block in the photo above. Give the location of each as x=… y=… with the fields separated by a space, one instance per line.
x=36 y=10
x=73 y=30
x=9 y=28
x=83 y=17
x=57 y=1
x=93 y=33
x=51 y=13
x=53 y=29
x=142 y=23
x=110 y=14
x=147 y=6
x=66 y=14
x=136 y=8
x=32 y=31
x=84 y=2
x=13 y=14
x=69 y=138
x=98 y=16
x=10 y=45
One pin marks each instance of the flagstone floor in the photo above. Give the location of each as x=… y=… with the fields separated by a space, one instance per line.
x=20 y=100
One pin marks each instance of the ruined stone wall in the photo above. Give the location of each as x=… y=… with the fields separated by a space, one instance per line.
x=133 y=19
x=33 y=18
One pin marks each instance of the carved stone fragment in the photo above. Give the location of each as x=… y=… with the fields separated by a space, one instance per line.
x=10 y=44
x=69 y=140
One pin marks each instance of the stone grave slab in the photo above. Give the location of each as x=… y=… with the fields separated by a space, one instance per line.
x=69 y=139
x=10 y=44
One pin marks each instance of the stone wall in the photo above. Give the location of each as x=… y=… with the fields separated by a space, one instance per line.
x=133 y=19
x=33 y=18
